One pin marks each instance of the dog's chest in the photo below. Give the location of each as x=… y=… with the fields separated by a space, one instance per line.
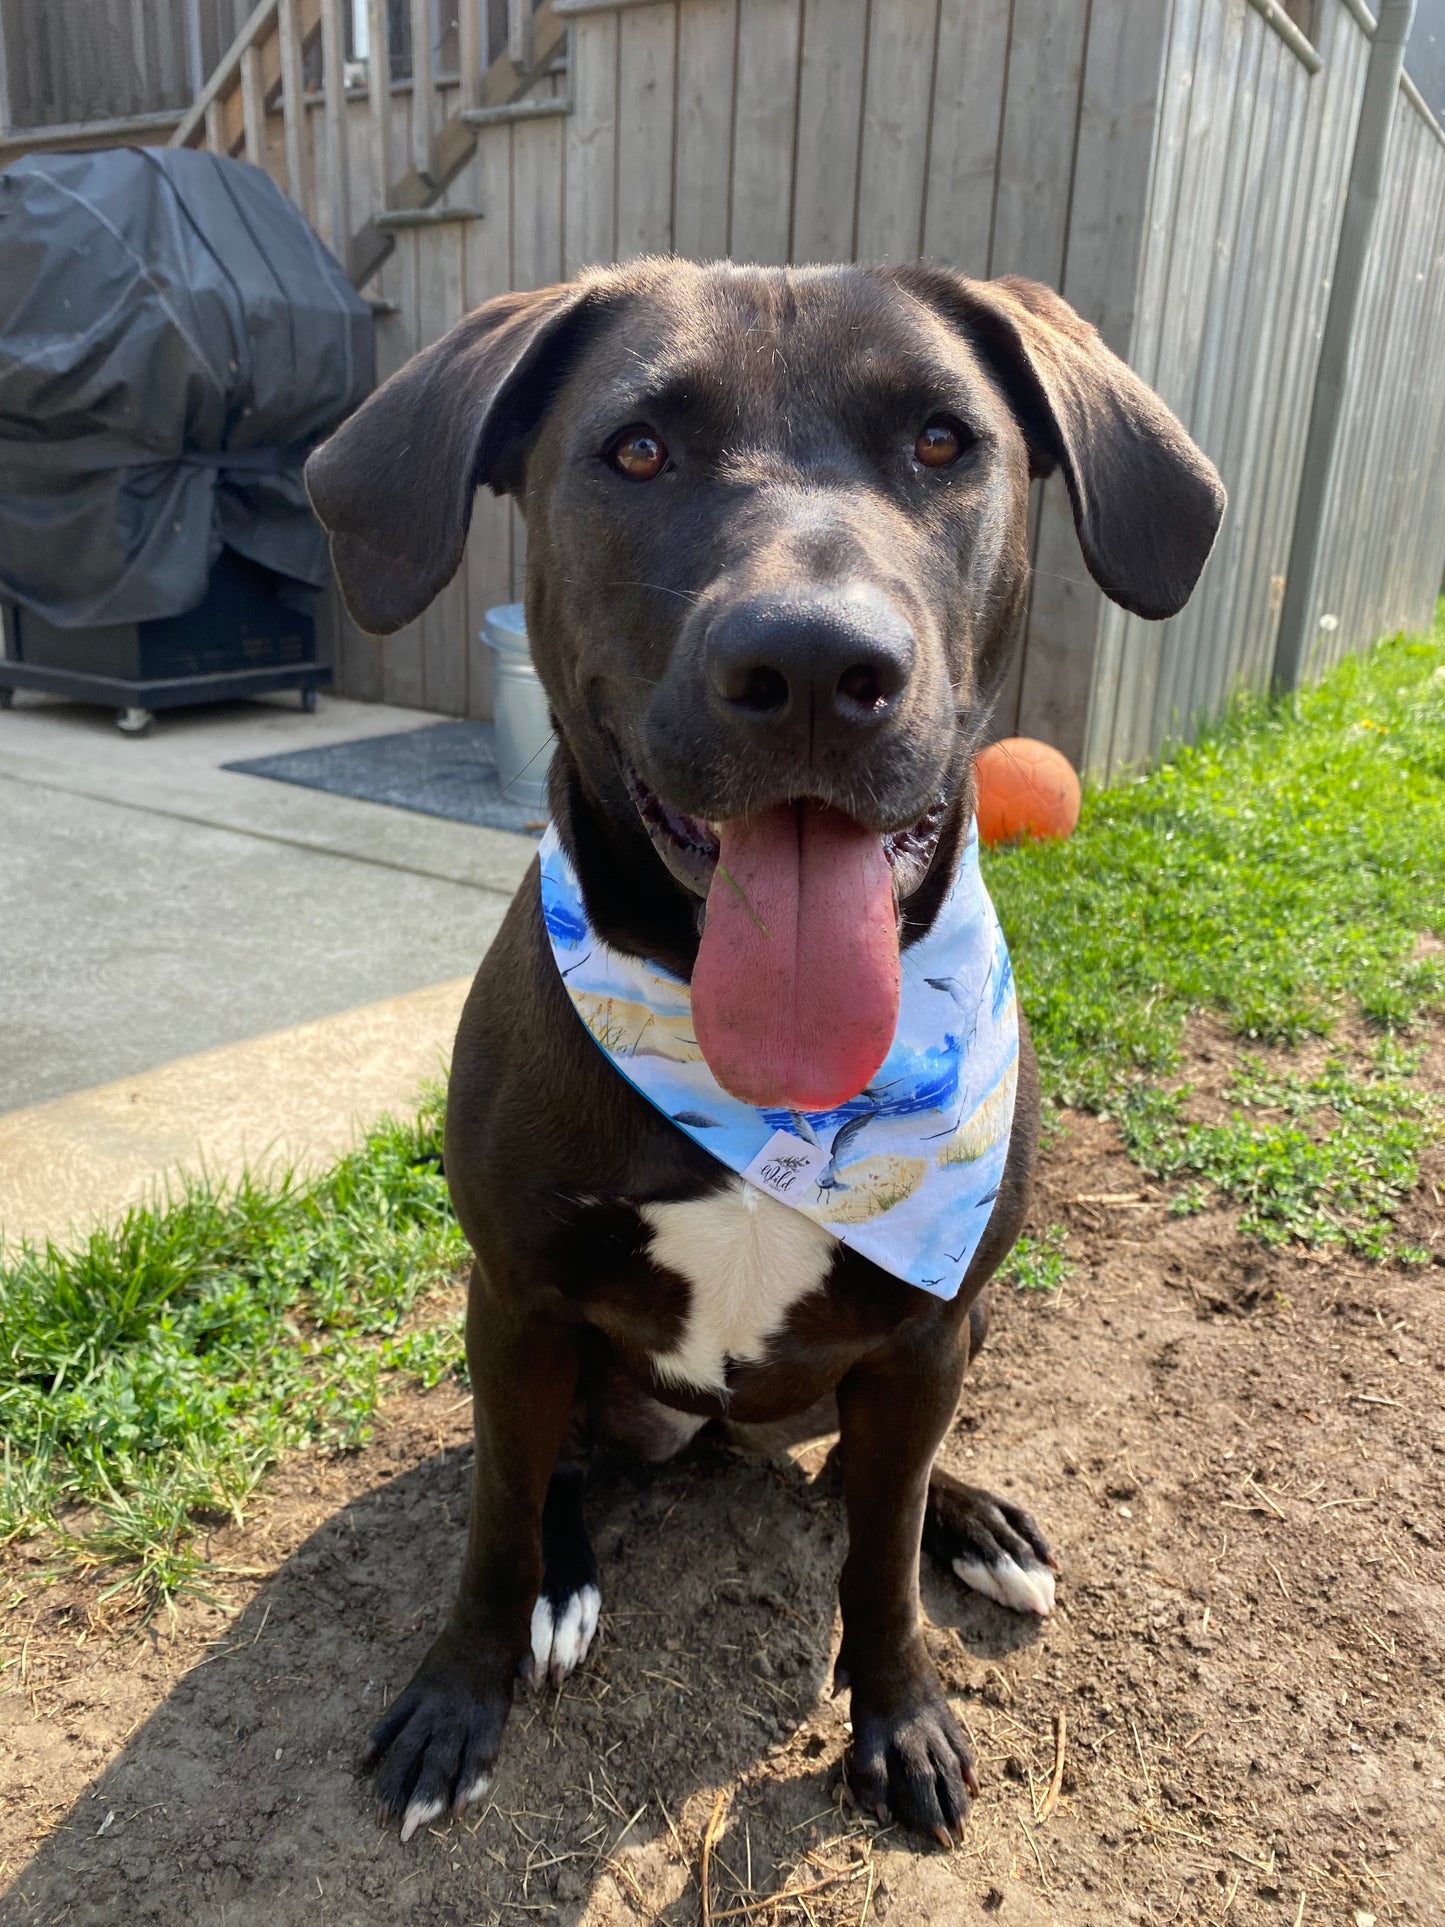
x=747 y=1261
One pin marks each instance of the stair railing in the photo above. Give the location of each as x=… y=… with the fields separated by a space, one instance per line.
x=500 y=52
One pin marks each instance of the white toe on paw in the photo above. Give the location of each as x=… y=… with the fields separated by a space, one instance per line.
x=542 y=1634
x=560 y=1639
x=591 y=1612
x=420 y=1813
x=1023 y=1589
x=478 y=1790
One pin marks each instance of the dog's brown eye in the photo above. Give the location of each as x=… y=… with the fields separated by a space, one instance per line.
x=939 y=444
x=638 y=454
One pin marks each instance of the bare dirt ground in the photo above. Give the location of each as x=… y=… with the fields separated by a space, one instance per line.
x=1239 y=1456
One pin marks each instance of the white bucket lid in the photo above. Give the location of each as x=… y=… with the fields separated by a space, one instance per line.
x=505 y=629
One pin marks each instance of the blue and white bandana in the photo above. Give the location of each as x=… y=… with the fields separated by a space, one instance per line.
x=906 y=1172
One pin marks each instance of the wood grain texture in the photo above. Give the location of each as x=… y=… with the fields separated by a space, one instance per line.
x=537 y=248
x=894 y=170
x=591 y=157
x=537 y=149
x=764 y=124
x=1123 y=68
x=397 y=340
x=707 y=33
x=647 y=58
x=488 y=270
x=253 y=108
x=338 y=180
x=968 y=94
x=1128 y=662
x=300 y=175
x=379 y=102
x=830 y=115
x=1036 y=144
x=1229 y=132
x=444 y=625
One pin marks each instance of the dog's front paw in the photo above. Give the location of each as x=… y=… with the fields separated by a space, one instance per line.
x=990 y=1544
x=436 y=1748
x=911 y=1763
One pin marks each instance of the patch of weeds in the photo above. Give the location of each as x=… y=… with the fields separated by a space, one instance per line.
x=1322 y=1161
x=1189 y=1202
x=1037 y=1264
x=27 y=1486
x=431 y=1354
x=1276 y=872
x=149 y=1376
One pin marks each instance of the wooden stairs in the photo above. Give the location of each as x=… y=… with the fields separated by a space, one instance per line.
x=265 y=69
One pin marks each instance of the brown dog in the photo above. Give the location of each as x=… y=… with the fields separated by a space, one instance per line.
x=776 y=559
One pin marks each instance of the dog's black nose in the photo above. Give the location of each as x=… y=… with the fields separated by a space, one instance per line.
x=825 y=662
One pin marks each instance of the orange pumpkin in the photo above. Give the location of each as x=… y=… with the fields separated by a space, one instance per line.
x=1025 y=788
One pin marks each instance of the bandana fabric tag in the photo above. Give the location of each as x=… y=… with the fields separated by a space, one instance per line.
x=787 y=1166
x=905 y=1173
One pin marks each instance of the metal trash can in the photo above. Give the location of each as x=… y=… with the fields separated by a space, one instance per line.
x=522 y=718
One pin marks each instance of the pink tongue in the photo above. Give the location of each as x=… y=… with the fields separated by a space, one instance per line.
x=795 y=990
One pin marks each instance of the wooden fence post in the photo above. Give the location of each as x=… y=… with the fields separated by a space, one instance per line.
x=333 y=82
x=378 y=87
x=1298 y=617
x=293 y=107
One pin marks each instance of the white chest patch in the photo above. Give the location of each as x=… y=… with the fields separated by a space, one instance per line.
x=748 y=1260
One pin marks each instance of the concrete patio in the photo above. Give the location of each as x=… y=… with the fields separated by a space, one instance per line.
x=200 y=966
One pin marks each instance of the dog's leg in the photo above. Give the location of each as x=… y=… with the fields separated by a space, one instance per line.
x=565 y=1615
x=437 y=1745
x=908 y=1756
x=989 y=1543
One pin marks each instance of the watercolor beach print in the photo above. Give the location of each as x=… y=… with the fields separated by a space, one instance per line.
x=906 y=1172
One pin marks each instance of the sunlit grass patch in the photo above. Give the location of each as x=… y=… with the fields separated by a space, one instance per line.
x=150 y=1375
x=1038 y=1261
x=1278 y=873
x=1322 y=1161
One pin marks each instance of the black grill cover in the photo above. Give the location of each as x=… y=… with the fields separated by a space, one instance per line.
x=173 y=341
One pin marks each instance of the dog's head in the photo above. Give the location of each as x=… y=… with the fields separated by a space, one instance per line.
x=777 y=551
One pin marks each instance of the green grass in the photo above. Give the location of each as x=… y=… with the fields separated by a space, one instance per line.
x=149 y=1377
x=1279 y=874
x=1321 y=1161
x=1037 y=1262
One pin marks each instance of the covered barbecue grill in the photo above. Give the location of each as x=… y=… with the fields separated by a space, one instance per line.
x=174 y=340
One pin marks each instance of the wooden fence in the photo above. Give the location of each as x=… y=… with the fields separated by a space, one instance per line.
x=767 y=130
x=1177 y=168
x=83 y=62
x=1253 y=154
x=75 y=62
x=1383 y=530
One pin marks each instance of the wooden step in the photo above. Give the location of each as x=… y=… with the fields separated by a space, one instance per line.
x=263 y=68
x=502 y=87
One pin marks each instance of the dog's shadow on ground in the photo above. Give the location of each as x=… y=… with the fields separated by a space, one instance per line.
x=239 y=1801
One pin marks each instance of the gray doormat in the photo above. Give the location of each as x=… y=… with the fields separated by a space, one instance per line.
x=446 y=769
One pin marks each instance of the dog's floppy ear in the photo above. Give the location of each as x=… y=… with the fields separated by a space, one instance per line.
x=394 y=485
x=1147 y=502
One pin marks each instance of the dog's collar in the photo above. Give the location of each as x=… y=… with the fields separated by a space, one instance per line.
x=907 y=1172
